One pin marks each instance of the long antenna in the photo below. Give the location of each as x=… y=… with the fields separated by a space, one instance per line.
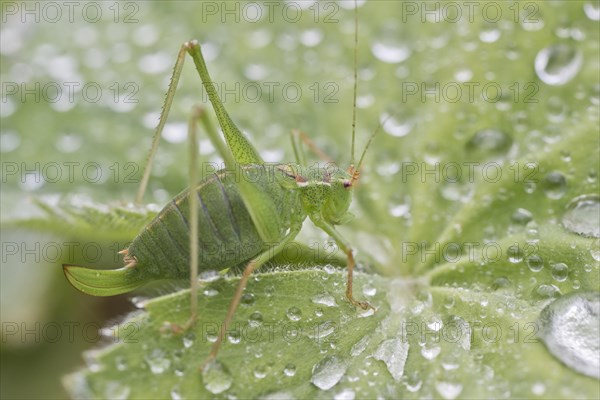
x=355 y=80
x=362 y=156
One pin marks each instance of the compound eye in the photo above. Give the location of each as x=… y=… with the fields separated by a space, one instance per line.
x=347 y=183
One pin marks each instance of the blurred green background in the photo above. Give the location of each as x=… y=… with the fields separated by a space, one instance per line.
x=82 y=88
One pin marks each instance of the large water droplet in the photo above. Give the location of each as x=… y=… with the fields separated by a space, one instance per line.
x=583 y=216
x=216 y=377
x=535 y=263
x=570 y=328
x=489 y=144
x=558 y=64
x=393 y=352
x=325 y=299
x=543 y=291
x=294 y=314
x=560 y=271
x=554 y=185
x=592 y=10
x=328 y=372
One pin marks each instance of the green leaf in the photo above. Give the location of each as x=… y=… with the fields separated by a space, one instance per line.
x=470 y=268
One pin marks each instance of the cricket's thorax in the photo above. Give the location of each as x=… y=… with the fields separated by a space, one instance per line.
x=227 y=234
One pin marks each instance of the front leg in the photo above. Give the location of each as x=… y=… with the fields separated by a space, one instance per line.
x=345 y=247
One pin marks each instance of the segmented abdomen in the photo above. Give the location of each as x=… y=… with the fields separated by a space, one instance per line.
x=227 y=235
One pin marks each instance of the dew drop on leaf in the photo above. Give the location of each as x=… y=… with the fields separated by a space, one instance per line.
x=554 y=185
x=116 y=390
x=346 y=394
x=560 y=271
x=289 y=370
x=393 y=352
x=545 y=291
x=328 y=372
x=570 y=328
x=489 y=144
x=448 y=390
x=558 y=64
x=325 y=299
x=521 y=216
x=294 y=314
x=158 y=361
x=583 y=215
x=216 y=377
x=534 y=263
x=360 y=346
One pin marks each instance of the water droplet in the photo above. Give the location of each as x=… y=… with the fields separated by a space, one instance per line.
x=554 y=185
x=256 y=319
x=346 y=394
x=289 y=370
x=369 y=291
x=328 y=372
x=116 y=390
x=158 y=361
x=175 y=132
x=234 y=336
x=176 y=394
x=582 y=216
x=538 y=389
x=323 y=330
x=557 y=109
x=121 y=363
x=395 y=126
x=594 y=252
x=311 y=37
x=521 y=216
x=558 y=64
x=489 y=144
x=209 y=276
x=216 y=377
x=430 y=352
x=260 y=372
x=360 y=346
x=570 y=328
x=294 y=314
x=448 y=390
x=514 y=253
x=188 y=339
x=560 y=272
x=489 y=35
x=413 y=382
x=393 y=352
x=248 y=299
x=534 y=263
x=9 y=141
x=68 y=143
x=325 y=299
x=544 y=291
x=460 y=330
x=592 y=10
x=500 y=283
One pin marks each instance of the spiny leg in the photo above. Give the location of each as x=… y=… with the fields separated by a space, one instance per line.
x=161 y=122
x=235 y=301
x=345 y=247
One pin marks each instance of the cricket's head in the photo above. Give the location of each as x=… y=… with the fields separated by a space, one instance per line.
x=335 y=207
